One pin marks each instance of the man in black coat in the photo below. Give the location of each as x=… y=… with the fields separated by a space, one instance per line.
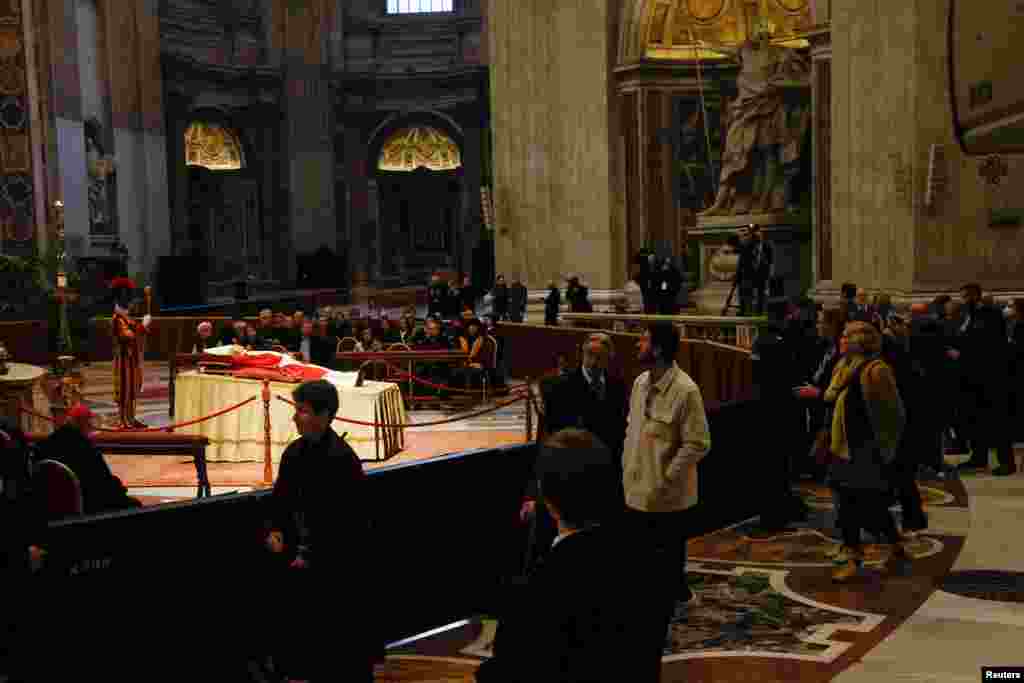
x=501 y=299
x=590 y=612
x=314 y=348
x=753 y=270
x=438 y=296
x=982 y=351
x=70 y=444
x=586 y=398
x=646 y=276
x=669 y=283
x=517 y=295
x=777 y=370
x=318 y=534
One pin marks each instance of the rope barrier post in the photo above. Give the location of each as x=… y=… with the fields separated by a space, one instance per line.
x=268 y=465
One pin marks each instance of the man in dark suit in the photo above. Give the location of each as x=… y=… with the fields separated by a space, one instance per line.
x=590 y=611
x=314 y=348
x=437 y=296
x=585 y=398
x=517 y=295
x=753 y=270
x=981 y=348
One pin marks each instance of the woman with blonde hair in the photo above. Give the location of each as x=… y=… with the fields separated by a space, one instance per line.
x=868 y=419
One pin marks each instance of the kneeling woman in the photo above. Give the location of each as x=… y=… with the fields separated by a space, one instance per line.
x=867 y=424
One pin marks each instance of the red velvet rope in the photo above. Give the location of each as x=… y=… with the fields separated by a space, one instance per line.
x=497 y=406
x=168 y=428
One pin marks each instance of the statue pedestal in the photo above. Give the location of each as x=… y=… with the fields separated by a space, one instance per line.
x=789 y=235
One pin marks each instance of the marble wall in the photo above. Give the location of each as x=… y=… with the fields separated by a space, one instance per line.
x=553 y=151
x=890 y=106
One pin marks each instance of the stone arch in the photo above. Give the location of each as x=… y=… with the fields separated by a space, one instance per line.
x=405 y=199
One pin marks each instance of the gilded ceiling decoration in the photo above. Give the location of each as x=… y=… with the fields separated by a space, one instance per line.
x=213 y=146
x=687 y=29
x=419 y=147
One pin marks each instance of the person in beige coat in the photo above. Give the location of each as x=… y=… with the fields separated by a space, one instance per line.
x=667 y=435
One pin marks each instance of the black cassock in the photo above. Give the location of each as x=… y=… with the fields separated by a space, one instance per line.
x=318 y=502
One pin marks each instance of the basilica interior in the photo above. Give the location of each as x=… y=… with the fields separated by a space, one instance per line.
x=341 y=157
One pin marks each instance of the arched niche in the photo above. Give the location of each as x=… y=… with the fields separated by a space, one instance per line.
x=415 y=163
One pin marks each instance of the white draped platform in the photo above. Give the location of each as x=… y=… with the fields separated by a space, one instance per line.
x=238 y=435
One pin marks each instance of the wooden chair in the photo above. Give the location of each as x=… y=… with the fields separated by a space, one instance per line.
x=61 y=488
x=346 y=344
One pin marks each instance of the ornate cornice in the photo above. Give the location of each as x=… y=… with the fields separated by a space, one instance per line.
x=181 y=68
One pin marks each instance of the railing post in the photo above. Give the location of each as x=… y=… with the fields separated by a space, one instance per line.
x=268 y=464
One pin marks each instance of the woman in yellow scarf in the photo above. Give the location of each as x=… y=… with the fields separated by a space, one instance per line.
x=867 y=423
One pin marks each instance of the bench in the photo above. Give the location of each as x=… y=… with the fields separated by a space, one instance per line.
x=153 y=443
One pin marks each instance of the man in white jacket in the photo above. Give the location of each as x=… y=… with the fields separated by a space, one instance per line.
x=667 y=435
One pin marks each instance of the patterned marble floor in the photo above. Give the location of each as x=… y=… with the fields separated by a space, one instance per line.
x=768 y=610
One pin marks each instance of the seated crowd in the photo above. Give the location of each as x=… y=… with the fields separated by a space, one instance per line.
x=316 y=340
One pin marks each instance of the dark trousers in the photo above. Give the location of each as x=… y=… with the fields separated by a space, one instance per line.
x=868 y=510
x=752 y=295
x=661 y=537
x=301 y=644
x=660 y=541
x=902 y=475
x=987 y=423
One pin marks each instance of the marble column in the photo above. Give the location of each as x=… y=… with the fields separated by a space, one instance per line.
x=270 y=118
x=821 y=160
x=69 y=169
x=554 y=131
x=359 y=199
x=177 y=118
x=140 y=145
x=309 y=123
x=890 y=110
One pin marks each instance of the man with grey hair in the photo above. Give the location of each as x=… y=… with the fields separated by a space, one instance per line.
x=591 y=397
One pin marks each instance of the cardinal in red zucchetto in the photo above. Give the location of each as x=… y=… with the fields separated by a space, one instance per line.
x=128 y=335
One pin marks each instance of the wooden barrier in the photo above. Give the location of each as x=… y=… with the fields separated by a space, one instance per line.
x=722 y=372
x=730 y=330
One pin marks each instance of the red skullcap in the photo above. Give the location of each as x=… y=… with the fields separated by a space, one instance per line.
x=79 y=410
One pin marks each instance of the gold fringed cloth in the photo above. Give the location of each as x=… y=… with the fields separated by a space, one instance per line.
x=238 y=436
